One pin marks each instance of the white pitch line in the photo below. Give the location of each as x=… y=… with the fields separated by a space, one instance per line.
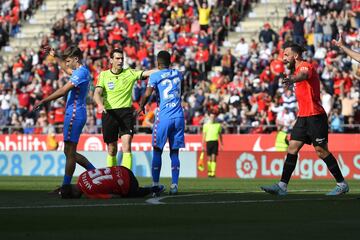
x=260 y=201
x=157 y=201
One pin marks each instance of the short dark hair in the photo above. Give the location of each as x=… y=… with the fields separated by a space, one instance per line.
x=73 y=51
x=296 y=48
x=116 y=50
x=164 y=58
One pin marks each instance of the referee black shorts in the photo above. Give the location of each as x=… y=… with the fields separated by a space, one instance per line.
x=212 y=147
x=311 y=130
x=117 y=122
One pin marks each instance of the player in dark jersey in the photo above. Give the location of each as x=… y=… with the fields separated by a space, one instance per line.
x=109 y=182
x=311 y=126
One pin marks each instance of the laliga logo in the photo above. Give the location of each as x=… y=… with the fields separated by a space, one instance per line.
x=246 y=166
x=93 y=144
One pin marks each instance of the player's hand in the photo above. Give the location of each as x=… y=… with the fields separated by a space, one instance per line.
x=339 y=42
x=287 y=81
x=221 y=147
x=140 y=111
x=38 y=106
x=101 y=108
x=48 y=50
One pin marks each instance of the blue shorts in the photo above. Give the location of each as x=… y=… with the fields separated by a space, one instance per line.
x=172 y=129
x=72 y=128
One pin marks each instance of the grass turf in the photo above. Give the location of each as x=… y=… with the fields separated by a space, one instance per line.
x=204 y=209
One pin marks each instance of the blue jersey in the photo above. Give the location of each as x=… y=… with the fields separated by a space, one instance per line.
x=76 y=99
x=167 y=84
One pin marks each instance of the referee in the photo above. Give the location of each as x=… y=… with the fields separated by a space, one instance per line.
x=113 y=96
x=211 y=137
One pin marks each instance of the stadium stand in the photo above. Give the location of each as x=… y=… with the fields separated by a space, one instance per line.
x=13 y=13
x=232 y=69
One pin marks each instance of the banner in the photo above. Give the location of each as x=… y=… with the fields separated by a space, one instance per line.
x=53 y=163
x=232 y=142
x=234 y=164
x=250 y=165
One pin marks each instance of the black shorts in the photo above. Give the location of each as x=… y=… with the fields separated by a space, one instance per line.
x=212 y=147
x=311 y=130
x=117 y=122
x=204 y=27
x=134 y=185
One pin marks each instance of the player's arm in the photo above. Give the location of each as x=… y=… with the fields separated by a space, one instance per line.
x=98 y=93
x=351 y=53
x=204 y=138
x=144 y=99
x=198 y=4
x=60 y=62
x=301 y=76
x=57 y=94
x=145 y=74
x=221 y=140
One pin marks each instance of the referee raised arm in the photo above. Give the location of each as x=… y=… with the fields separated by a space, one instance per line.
x=113 y=95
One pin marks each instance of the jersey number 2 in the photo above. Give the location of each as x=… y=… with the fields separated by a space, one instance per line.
x=169 y=86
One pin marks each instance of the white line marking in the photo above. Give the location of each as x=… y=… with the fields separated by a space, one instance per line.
x=157 y=201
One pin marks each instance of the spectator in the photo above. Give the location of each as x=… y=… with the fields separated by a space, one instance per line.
x=156 y=25
x=268 y=36
x=204 y=14
x=336 y=122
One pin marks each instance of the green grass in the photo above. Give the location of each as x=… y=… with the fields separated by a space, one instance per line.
x=204 y=209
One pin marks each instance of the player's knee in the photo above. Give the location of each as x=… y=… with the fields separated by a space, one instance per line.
x=293 y=149
x=69 y=151
x=321 y=152
x=174 y=151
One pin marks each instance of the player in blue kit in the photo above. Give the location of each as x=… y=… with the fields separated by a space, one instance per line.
x=75 y=116
x=169 y=118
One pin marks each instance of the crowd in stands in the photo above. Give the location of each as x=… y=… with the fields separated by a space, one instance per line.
x=11 y=14
x=242 y=86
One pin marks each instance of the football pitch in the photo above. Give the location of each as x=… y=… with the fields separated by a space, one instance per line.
x=204 y=209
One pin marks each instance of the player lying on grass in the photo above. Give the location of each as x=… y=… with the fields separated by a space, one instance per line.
x=107 y=183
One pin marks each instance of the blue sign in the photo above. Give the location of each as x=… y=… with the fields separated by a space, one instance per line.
x=53 y=163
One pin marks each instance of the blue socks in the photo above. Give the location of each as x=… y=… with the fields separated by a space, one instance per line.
x=175 y=166
x=89 y=166
x=156 y=165
x=67 y=180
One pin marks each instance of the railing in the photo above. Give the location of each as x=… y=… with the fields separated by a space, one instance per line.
x=190 y=129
